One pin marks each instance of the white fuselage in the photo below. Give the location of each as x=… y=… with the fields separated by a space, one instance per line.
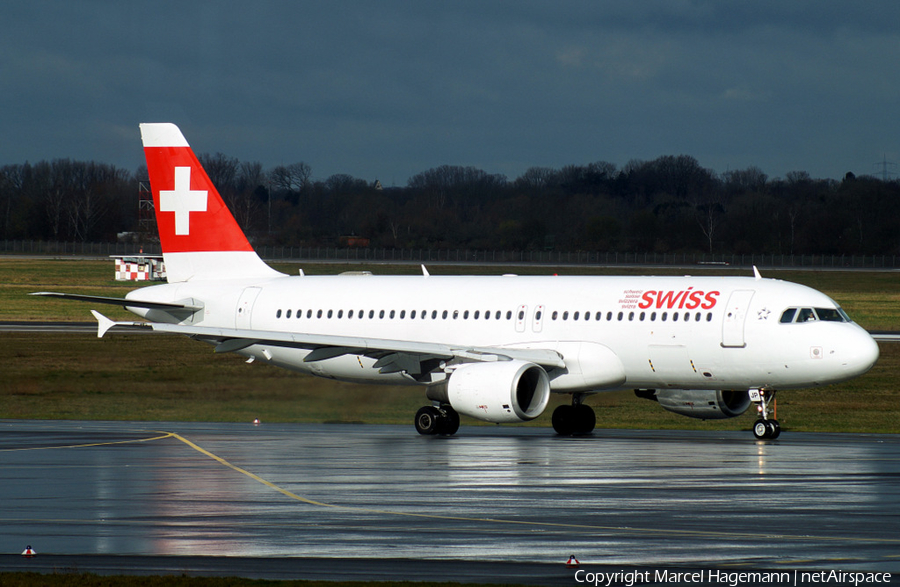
x=662 y=332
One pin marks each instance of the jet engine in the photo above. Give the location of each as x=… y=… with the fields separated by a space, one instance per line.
x=705 y=404
x=502 y=391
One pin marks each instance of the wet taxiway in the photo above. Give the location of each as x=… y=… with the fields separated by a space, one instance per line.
x=633 y=498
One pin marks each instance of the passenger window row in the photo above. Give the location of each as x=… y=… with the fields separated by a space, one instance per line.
x=490 y=314
x=392 y=314
x=641 y=316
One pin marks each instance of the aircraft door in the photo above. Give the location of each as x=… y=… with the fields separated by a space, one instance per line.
x=735 y=316
x=245 y=307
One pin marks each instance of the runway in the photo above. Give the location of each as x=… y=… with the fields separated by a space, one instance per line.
x=492 y=494
x=56 y=327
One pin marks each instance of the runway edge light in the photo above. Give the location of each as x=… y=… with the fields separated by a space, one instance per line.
x=572 y=562
x=28 y=552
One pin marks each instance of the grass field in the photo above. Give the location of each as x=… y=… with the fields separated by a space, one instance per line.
x=156 y=377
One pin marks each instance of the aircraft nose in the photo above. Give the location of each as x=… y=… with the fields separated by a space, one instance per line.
x=861 y=353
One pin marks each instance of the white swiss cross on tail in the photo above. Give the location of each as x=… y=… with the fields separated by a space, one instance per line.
x=183 y=200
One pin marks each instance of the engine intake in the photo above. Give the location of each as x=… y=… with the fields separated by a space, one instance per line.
x=504 y=391
x=705 y=404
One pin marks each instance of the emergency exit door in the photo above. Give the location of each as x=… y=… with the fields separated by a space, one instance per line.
x=245 y=307
x=735 y=317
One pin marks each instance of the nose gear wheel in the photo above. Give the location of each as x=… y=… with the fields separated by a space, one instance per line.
x=765 y=428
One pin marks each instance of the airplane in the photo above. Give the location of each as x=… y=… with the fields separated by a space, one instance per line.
x=493 y=348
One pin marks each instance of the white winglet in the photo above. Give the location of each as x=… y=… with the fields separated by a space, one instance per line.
x=103 y=323
x=425 y=272
x=756 y=273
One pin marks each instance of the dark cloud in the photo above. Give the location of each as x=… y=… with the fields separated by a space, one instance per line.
x=388 y=89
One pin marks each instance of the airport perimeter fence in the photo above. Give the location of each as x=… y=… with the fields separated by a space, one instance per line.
x=471 y=257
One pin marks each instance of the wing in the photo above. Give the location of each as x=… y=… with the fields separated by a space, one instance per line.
x=393 y=355
x=120 y=301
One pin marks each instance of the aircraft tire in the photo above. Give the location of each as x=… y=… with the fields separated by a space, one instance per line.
x=428 y=420
x=774 y=429
x=449 y=421
x=563 y=420
x=761 y=429
x=585 y=420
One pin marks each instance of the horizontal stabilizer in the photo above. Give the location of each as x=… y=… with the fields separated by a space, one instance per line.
x=104 y=324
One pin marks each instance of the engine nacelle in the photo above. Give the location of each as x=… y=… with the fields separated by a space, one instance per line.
x=705 y=404
x=502 y=391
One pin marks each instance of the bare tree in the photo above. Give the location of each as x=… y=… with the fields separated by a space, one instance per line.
x=751 y=179
x=91 y=189
x=536 y=178
x=710 y=216
x=250 y=176
x=457 y=185
x=793 y=215
x=12 y=179
x=221 y=169
x=54 y=191
x=291 y=178
x=342 y=183
x=249 y=193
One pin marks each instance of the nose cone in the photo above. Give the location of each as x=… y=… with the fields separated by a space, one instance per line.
x=860 y=351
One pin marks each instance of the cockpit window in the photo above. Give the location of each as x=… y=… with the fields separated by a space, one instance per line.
x=797 y=315
x=806 y=315
x=831 y=315
x=788 y=315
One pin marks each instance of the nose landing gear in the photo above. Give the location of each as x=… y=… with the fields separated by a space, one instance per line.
x=765 y=428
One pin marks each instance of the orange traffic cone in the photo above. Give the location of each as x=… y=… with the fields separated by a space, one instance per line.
x=28 y=552
x=572 y=562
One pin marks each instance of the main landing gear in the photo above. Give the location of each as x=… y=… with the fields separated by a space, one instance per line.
x=764 y=428
x=577 y=419
x=437 y=420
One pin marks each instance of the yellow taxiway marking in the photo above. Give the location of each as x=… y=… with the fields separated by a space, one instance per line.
x=253 y=476
x=532 y=523
x=519 y=523
x=163 y=435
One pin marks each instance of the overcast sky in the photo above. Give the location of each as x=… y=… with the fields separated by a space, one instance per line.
x=386 y=89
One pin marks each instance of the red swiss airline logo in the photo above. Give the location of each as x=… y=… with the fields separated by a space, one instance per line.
x=687 y=299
